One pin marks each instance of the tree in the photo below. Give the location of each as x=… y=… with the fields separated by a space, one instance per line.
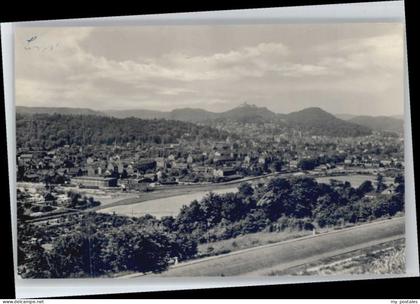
x=278 y=184
x=75 y=255
x=400 y=188
x=307 y=164
x=255 y=221
x=234 y=207
x=210 y=206
x=141 y=249
x=33 y=262
x=380 y=207
x=190 y=217
x=49 y=197
x=182 y=246
x=245 y=189
x=380 y=185
x=124 y=174
x=74 y=198
x=364 y=188
x=168 y=222
x=277 y=165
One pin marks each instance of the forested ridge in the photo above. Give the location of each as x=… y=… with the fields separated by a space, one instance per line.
x=314 y=121
x=56 y=130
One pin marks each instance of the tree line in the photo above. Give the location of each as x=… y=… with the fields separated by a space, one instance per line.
x=93 y=244
x=300 y=203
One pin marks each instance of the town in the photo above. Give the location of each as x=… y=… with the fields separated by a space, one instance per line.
x=147 y=167
x=62 y=186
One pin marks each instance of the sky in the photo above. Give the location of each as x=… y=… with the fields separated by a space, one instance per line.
x=354 y=68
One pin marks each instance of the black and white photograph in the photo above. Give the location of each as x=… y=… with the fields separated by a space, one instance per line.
x=259 y=150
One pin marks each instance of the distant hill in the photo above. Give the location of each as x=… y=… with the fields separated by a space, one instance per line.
x=319 y=122
x=191 y=115
x=380 y=123
x=313 y=120
x=243 y=113
x=143 y=114
x=248 y=113
x=57 y=110
x=183 y=114
x=398 y=116
x=344 y=116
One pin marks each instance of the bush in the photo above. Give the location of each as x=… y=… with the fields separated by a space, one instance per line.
x=35 y=209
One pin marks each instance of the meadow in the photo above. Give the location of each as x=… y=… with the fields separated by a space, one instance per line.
x=168 y=206
x=354 y=180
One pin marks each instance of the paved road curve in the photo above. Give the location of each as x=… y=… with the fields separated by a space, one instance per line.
x=258 y=260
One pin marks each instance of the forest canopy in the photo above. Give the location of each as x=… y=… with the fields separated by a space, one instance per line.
x=51 y=131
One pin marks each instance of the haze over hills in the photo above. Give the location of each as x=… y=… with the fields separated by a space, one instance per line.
x=401 y=116
x=380 y=123
x=191 y=115
x=394 y=123
x=344 y=116
x=57 y=110
x=313 y=120
x=143 y=114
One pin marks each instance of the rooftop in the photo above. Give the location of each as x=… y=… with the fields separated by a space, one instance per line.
x=100 y=178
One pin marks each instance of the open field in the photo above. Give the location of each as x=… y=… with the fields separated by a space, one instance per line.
x=161 y=206
x=355 y=180
x=171 y=191
x=283 y=255
x=385 y=258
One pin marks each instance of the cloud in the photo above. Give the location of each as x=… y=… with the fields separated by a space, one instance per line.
x=259 y=66
x=381 y=52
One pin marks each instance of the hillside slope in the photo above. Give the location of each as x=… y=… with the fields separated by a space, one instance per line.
x=380 y=123
x=49 y=131
x=318 y=122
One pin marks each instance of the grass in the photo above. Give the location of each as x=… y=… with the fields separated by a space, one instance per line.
x=263 y=260
x=258 y=239
x=354 y=180
x=248 y=241
x=385 y=258
x=161 y=206
x=169 y=191
x=391 y=261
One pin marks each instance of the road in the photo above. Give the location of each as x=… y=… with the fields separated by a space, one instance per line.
x=283 y=255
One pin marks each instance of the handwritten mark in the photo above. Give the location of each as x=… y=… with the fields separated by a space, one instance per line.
x=31 y=39
x=42 y=48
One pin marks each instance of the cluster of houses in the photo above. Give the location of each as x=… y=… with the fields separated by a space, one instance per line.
x=137 y=166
